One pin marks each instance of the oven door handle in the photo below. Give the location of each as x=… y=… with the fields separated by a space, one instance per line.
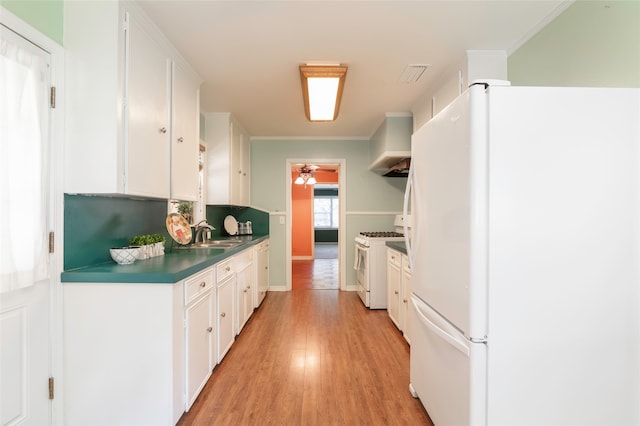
x=358 y=249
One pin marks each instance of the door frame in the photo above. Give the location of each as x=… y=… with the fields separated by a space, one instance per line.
x=56 y=203
x=342 y=196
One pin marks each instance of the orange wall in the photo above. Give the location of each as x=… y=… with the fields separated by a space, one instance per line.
x=302 y=214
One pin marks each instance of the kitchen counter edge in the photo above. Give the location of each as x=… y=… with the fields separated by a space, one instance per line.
x=167 y=269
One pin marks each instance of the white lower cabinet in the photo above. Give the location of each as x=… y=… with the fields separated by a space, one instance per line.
x=261 y=267
x=226 y=282
x=244 y=288
x=199 y=332
x=140 y=353
x=399 y=290
x=394 y=276
x=405 y=286
x=124 y=354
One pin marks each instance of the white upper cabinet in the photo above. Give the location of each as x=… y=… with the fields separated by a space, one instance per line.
x=127 y=91
x=147 y=114
x=185 y=136
x=228 y=160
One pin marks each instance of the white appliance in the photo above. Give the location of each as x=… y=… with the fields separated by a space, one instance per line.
x=371 y=264
x=525 y=255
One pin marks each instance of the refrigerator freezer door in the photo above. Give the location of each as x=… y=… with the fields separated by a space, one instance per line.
x=448 y=372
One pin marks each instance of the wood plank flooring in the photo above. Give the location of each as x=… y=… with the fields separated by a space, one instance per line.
x=312 y=357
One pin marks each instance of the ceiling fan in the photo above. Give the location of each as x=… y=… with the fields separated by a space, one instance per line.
x=312 y=168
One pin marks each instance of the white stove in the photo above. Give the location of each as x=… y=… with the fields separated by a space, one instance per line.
x=371 y=264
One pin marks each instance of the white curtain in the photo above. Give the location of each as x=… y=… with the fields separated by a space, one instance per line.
x=23 y=163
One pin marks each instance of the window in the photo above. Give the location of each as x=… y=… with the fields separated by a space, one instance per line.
x=325 y=208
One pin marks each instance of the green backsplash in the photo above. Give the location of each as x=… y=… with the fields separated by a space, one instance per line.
x=217 y=213
x=94 y=224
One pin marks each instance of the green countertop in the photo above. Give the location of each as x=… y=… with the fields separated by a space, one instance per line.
x=170 y=268
x=397 y=245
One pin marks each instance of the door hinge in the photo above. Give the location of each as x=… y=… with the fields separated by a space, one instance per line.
x=52 y=242
x=52 y=100
x=50 y=387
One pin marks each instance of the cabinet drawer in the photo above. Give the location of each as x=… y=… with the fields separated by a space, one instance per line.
x=198 y=284
x=224 y=269
x=394 y=256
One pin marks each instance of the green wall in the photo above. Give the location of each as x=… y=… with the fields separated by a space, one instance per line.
x=46 y=16
x=592 y=43
x=371 y=199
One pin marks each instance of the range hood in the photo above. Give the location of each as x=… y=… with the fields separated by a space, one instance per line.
x=390 y=149
x=400 y=169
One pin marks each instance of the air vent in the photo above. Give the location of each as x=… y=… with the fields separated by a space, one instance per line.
x=412 y=73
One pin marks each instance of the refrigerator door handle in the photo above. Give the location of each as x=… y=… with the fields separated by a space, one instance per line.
x=405 y=215
x=457 y=342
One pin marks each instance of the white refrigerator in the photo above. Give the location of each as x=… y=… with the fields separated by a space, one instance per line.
x=525 y=252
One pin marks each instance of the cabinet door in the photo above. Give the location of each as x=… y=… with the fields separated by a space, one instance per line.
x=262 y=273
x=226 y=326
x=199 y=338
x=147 y=121
x=235 y=171
x=184 y=136
x=393 y=285
x=245 y=296
x=406 y=297
x=245 y=165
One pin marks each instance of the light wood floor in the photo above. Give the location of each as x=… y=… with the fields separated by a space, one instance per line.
x=312 y=357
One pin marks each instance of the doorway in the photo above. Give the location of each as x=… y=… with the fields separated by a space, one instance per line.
x=315 y=218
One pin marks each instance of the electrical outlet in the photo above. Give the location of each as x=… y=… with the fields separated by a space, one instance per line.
x=281 y=220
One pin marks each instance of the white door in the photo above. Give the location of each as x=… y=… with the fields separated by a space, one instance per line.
x=441 y=197
x=26 y=214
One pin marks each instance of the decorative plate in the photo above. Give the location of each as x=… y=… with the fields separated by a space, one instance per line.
x=231 y=225
x=179 y=228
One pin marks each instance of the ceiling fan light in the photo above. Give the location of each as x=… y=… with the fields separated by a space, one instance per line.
x=311 y=180
x=322 y=88
x=299 y=181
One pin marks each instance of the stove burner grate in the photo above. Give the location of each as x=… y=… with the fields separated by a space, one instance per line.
x=381 y=234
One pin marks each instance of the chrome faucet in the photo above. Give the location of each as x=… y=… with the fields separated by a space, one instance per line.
x=200 y=231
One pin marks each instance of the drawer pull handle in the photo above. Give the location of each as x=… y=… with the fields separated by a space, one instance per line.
x=223 y=315
x=228 y=268
x=210 y=329
x=203 y=284
x=163 y=130
x=395 y=292
x=180 y=139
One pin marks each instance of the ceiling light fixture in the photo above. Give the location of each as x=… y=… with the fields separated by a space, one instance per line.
x=305 y=177
x=322 y=87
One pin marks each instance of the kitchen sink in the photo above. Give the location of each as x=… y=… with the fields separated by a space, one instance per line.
x=214 y=244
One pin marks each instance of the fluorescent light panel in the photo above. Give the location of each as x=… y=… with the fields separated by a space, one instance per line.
x=322 y=88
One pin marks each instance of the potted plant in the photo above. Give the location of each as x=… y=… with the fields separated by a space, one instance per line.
x=151 y=245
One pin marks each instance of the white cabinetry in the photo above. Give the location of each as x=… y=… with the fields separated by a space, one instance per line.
x=261 y=261
x=199 y=292
x=228 y=160
x=399 y=290
x=124 y=354
x=405 y=285
x=119 y=103
x=394 y=277
x=244 y=287
x=226 y=283
x=185 y=135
